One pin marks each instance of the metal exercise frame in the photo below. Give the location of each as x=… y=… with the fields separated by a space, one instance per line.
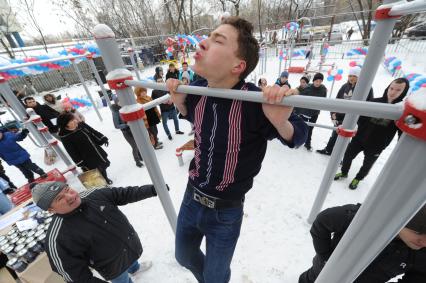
x=71 y=58
x=401 y=183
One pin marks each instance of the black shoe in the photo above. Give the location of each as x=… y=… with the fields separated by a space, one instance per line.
x=354 y=184
x=44 y=176
x=340 y=175
x=179 y=133
x=308 y=147
x=139 y=164
x=323 y=151
x=158 y=146
x=170 y=137
x=159 y=143
x=9 y=191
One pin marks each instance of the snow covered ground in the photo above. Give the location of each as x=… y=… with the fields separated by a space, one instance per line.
x=275 y=244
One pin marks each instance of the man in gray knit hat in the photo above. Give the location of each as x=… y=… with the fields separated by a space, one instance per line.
x=89 y=231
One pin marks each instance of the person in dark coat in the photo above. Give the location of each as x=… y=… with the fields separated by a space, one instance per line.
x=304 y=83
x=83 y=144
x=3 y=175
x=172 y=72
x=405 y=254
x=14 y=154
x=316 y=89
x=345 y=92
x=283 y=80
x=158 y=73
x=168 y=111
x=127 y=133
x=373 y=134
x=47 y=114
x=89 y=231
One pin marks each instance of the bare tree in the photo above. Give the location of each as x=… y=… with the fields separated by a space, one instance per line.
x=28 y=7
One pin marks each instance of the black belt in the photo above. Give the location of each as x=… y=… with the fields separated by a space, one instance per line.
x=213 y=202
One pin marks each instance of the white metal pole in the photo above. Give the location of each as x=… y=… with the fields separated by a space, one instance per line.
x=132 y=59
x=98 y=79
x=18 y=66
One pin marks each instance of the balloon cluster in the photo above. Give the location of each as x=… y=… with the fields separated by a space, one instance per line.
x=75 y=103
x=417 y=81
x=357 y=51
x=297 y=53
x=281 y=55
x=334 y=75
x=392 y=64
x=182 y=40
x=292 y=26
x=325 y=49
x=355 y=64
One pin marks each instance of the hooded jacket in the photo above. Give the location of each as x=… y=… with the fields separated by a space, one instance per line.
x=47 y=114
x=97 y=235
x=11 y=151
x=311 y=90
x=157 y=73
x=84 y=146
x=376 y=134
x=152 y=115
x=173 y=75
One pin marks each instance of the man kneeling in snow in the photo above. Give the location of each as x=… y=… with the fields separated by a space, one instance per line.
x=88 y=230
x=406 y=254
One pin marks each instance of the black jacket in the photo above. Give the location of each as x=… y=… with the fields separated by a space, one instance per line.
x=376 y=134
x=279 y=83
x=396 y=258
x=164 y=107
x=345 y=92
x=46 y=114
x=84 y=146
x=174 y=75
x=311 y=90
x=97 y=235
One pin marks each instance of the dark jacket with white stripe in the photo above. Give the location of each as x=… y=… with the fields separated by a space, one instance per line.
x=230 y=142
x=84 y=146
x=97 y=235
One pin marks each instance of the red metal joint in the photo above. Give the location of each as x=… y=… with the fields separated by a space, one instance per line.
x=3 y=79
x=89 y=56
x=132 y=113
x=413 y=120
x=118 y=83
x=36 y=120
x=53 y=142
x=179 y=151
x=383 y=14
x=345 y=132
x=43 y=129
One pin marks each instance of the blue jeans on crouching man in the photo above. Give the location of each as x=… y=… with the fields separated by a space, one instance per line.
x=124 y=277
x=165 y=116
x=221 y=227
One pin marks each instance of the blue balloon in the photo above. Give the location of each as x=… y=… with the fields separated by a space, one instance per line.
x=330 y=78
x=340 y=71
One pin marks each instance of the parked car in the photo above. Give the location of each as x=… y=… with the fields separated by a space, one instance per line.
x=417 y=30
x=336 y=35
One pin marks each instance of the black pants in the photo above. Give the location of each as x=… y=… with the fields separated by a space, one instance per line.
x=5 y=177
x=352 y=151
x=131 y=140
x=312 y=119
x=310 y=275
x=28 y=167
x=153 y=130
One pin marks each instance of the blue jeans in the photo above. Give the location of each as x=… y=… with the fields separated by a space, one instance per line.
x=221 y=227
x=165 y=116
x=124 y=277
x=5 y=204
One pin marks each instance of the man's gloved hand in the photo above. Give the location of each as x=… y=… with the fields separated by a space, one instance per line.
x=154 y=192
x=25 y=131
x=105 y=142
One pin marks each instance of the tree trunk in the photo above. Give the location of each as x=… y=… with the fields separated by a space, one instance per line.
x=259 y=2
x=172 y=22
x=191 y=14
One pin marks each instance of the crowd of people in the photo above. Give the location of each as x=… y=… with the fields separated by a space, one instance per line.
x=230 y=141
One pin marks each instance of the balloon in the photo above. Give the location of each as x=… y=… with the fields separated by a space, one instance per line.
x=352 y=63
x=340 y=71
x=330 y=78
x=424 y=85
x=338 y=77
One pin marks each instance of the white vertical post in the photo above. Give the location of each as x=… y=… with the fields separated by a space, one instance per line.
x=98 y=79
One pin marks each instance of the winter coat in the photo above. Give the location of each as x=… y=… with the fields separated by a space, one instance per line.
x=157 y=73
x=164 y=107
x=11 y=151
x=118 y=122
x=97 y=235
x=56 y=105
x=173 y=75
x=47 y=113
x=84 y=146
x=190 y=73
x=375 y=134
x=152 y=115
x=278 y=82
x=396 y=258
x=345 y=92
x=311 y=90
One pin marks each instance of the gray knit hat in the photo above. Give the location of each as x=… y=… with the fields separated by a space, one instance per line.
x=45 y=193
x=418 y=222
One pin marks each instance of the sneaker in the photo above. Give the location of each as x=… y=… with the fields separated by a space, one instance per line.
x=354 y=184
x=159 y=143
x=44 y=175
x=158 y=146
x=170 y=137
x=323 y=151
x=308 y=147
x=139 y=164
x=143 y=266
x=340 y=176
x=179 y=133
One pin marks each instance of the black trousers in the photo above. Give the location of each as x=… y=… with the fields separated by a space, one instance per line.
x=28 y=167
x=5 y=177
x=131 y=140
x=153 y=130
x=312 y=119
x=352 y=151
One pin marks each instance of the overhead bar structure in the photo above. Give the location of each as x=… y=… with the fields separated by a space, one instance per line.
x=98 y=79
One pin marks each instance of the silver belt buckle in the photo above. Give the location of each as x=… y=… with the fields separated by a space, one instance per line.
x=204 y=200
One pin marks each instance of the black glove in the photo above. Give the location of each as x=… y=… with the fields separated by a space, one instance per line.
x=154 y=192
x=105 y=142
x=25 y=131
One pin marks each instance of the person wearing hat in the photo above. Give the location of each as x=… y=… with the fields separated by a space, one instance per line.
x=316 y=89
x=405 y=254
x=283 y=80
x=88 y=230
x=345 y=92
x=172 y=72
x=187 y=71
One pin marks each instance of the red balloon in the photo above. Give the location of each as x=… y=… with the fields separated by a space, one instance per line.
x=338 y=77
x=424 y=85
x=352 y=63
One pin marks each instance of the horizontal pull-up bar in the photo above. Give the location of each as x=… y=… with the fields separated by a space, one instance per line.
x=371 y=109
x=156 y=102
x=404 y=8
x=34 y=63
x=321 y=126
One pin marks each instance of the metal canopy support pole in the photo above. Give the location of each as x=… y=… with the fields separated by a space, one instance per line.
x=292 y=42
x=105 y=39
x=44 y=139
x=80 y=77
x=98 y=79
x=265 y=60
x=135 y=66
x=371 y=109
x=8 y=108
x=28 y=64
x=372 y=62
x=401 y=185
